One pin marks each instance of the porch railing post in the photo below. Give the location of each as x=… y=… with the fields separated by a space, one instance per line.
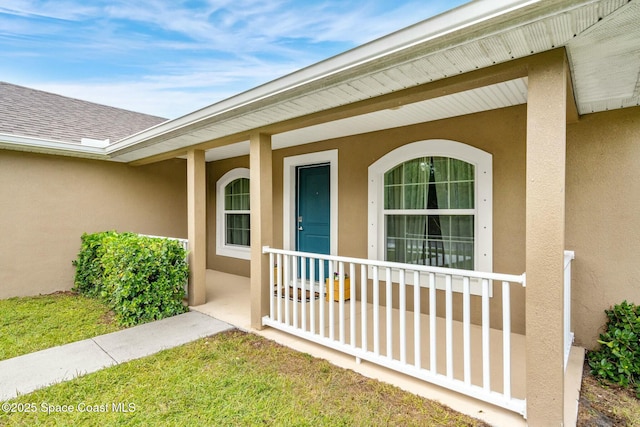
x=417 y=311
x=506 y=339
x=466 y=324
x=569 y=256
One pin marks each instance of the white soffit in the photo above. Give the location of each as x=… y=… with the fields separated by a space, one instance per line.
x=500 y=95
x=605 y=62
x=602 y=38
x=543 y=27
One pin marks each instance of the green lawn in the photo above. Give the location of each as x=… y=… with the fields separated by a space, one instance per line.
x=35 y=323
x=231 y=379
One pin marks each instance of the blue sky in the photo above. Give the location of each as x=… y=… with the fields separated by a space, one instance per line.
x=171 y=57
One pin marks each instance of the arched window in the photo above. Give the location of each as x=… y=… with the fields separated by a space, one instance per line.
x=429 y=212
x=430 y=204
x=233 y=237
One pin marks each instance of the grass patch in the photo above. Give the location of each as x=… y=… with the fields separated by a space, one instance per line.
x=34 y=323
x=231 y=379
x=606 y=404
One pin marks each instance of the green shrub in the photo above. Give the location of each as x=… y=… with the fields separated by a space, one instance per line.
x=618 y=359
x=140 y=278
x=89 y=269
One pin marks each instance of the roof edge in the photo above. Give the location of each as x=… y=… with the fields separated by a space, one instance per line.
x=48 y=146
x=440 y=25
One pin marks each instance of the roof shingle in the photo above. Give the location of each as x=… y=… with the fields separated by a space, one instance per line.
x=39 y=114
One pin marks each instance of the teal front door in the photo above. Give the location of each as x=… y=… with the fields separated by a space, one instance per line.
x=313 y=211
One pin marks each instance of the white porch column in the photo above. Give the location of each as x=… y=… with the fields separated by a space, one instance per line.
x=261 y=224
x=196 y=219
x=546 y=151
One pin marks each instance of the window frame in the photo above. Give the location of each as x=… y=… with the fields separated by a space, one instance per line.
x=420 y=191
x=222 y=248
x=483 y=194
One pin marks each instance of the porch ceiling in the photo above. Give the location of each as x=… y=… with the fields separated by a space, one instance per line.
x=500 y=95
x=601 y=38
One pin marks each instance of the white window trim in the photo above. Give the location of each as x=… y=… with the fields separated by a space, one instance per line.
x=289 y=195
x=222 y=248
x=483 y=212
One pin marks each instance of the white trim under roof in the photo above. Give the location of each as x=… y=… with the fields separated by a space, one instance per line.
x=500 y=95
x=473 y=36
x=49 y=146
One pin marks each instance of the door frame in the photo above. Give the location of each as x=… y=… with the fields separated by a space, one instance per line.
x=289 y=223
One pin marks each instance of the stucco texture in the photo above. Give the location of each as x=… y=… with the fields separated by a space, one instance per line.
x=47 y=202
x=603 y=201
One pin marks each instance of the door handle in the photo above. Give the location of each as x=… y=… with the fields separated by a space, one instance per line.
x=300 y=228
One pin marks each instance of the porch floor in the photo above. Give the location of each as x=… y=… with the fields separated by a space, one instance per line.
x=228 y=299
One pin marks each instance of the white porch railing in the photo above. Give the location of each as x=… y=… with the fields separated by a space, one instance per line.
x=569 y=256
x=371 y=329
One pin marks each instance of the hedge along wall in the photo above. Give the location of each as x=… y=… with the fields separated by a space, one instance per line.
x=48 y=201
x=140 y=278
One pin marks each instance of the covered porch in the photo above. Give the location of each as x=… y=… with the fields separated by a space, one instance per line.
x=228 y=299
x=457 y=81
x=450 y=328
x=455 y=329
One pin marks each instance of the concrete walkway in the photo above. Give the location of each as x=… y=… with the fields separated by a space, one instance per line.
x=24 y=374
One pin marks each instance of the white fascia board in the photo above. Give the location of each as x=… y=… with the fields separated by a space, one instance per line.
x=91 y=142
x=48 y=146
x=455 y=20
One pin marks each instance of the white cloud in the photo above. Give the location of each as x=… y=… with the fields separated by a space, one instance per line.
x=181 y=90
x=69 y=10
x=227 y=26
x=170 y=57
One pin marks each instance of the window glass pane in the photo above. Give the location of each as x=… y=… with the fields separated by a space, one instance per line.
x=438 y=196
x=461 y=195
x=461 y=171
x=393 y=176
x=457 y=232
x=237 y=195
x=436 y=240
x=395 y=226
x=429 y=183
x=416 y=170
x=440 y=169
x=242 y=202
x=416 y=229
x=393 y=197
x=415 y=196
x=238 y=230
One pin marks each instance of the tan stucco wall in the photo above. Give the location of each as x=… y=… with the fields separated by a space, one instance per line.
x=47 y=202
x=603 y=206
x=500 y=132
